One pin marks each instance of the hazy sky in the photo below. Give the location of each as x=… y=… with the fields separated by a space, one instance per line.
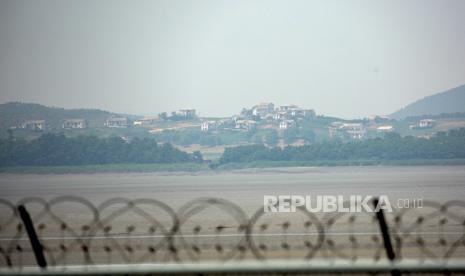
x=342 y=58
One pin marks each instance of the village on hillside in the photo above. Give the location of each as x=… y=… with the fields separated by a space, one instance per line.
x=264 y=123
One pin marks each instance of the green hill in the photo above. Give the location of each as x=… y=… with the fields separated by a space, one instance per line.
x=450 y=101
x=14 y=113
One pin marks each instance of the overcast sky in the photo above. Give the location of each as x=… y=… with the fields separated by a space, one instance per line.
x=342 y=58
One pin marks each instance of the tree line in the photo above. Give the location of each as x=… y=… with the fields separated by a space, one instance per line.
x=56 y=149
x=449 y=145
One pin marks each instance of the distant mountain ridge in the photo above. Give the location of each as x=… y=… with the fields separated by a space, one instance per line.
x=450 y=101
x=14 y=113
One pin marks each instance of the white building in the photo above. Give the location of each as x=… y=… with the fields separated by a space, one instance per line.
x=146 y=121
x=245 y=124
x=427 y=123
x=287 y=107
x=117 y=122
x=293 y=111
x=354 y=131
x=36 y=125
x=262 y=109
x=387 y=128
x=279 y=115
x=299 y=112
x=74 y=124
x=208 y=125
x=286 y=124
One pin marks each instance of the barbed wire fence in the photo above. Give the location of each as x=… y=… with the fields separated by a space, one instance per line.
x=71 y=231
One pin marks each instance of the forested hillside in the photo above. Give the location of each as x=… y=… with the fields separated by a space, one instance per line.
x=450 y=101
x=14 y=113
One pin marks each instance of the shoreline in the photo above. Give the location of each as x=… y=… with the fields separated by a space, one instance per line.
x=204 y=168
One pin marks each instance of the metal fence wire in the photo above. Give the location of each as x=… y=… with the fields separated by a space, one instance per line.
x=71 y=234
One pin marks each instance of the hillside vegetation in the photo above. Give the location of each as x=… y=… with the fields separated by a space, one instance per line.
x=14 y=113
x=450 y=101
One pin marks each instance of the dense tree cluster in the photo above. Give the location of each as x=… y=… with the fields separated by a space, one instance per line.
x=56 y=149
x=449 y=145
